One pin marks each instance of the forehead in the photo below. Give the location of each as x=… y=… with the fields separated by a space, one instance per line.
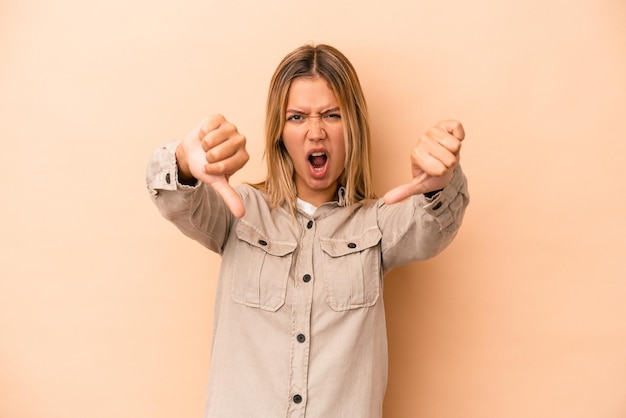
x=311 y=93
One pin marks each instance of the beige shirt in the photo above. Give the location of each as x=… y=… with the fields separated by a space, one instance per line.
x=299 y=325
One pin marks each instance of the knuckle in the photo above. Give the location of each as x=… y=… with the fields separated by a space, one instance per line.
x=228 y=127
x=217 y=117
x=240 y=140
x=437 y=168
x=207 y=143
x=433 y=131
x=215 y=168
x=455 y=147
x=440 y=171
x=212 y=156
x=418 y=154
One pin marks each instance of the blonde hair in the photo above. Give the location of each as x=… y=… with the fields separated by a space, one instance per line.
x=331 y=65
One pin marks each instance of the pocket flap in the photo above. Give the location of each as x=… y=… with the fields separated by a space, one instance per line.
x=338 y=247
x=256 y=238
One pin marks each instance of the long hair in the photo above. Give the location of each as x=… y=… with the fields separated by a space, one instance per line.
x=331 y=65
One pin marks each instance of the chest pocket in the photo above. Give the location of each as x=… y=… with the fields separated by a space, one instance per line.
x=261 y=270
x=352 y=270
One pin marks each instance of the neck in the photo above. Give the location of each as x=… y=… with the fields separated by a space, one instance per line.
x=319 y=198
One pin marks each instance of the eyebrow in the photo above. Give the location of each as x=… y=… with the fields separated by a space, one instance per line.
x=334 y=109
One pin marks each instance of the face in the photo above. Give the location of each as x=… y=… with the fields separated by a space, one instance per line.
x=313 y=136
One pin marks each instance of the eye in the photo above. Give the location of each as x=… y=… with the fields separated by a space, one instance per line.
x=295 y=118
x=332 y=116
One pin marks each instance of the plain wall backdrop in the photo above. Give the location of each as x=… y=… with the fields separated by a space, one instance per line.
x=106 y=309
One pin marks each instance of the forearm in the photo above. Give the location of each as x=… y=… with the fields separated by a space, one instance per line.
x=196 y=209
x=421 y=228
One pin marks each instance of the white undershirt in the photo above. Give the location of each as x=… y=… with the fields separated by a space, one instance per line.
x=305 y=207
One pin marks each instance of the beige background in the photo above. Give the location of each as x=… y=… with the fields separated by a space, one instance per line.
x=106 y=310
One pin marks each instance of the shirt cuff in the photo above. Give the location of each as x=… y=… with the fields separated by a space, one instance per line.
x=447 y=205
x=162 y=170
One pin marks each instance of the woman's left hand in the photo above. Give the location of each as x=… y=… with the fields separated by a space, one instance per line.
x=433 y=161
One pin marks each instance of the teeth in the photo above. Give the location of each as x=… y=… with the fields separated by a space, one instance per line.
x=317 y=154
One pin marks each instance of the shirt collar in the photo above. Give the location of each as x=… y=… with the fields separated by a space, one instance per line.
x=309 y=208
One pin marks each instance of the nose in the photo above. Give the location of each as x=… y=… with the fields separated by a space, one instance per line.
x=315 y=129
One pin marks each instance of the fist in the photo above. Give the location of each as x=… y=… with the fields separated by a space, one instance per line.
x=211 y=152
x=436 y=154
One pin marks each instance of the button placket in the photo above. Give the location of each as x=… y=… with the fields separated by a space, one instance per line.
x=301 y=325
x=307 y=277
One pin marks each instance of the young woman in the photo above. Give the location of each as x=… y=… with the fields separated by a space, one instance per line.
x=299 y=319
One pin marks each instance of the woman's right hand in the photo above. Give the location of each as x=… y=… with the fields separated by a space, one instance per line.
x=211 y=153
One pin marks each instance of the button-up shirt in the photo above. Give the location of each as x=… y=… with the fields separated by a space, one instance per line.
x=299 y=326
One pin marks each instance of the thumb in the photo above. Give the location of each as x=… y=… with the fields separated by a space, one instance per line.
x=230 y=196
x=399 y=193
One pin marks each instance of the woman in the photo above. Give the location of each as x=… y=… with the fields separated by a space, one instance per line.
x=299 y=319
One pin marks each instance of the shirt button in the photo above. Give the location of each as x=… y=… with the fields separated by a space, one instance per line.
x=297 y=398
x=309 y=225
x=306 y=278
x=263 y=242
x=167 y=178
x=437 y=206
x=352 y=245
x=301 y=338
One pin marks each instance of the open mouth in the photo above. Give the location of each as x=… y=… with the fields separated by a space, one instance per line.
x=318 y=160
